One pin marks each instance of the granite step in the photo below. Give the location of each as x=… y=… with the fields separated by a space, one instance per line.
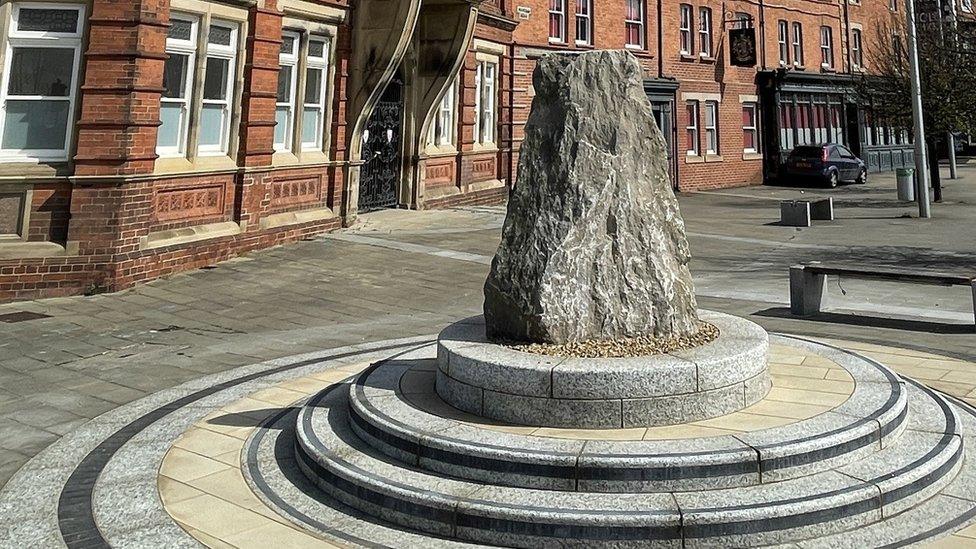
x=385 y=414
x=885 y=482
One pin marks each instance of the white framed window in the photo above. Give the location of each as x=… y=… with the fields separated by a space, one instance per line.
x=691 y=129
x=178 y=69
x=557 y=20
x=40 y=77
x=782 y=40
x=705 y=32
x=826 y=47
x=287 y=88
x=966 y=5
x=634 y=24
x=893 y=5
x=442 y=128
x=686 y=23
x=218 y=88
x=486 y=75
x=711 y=127
x=750 y=127
x=584 y=22
x=743 y=20
x=857 y=49
x=313 y=107
x=797 y=44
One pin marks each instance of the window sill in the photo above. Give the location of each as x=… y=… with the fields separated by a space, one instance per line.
x=694 y=159
x=634 y=47
x=713 y=157
x=172 y=165
x=440 y=150
x=288 y=158
x=584 y=45
x=20 y=249
x=707 y=59
x=688 y=57
x=19 y=169
x=827 y=69
x=484 y=147
x=752 y=156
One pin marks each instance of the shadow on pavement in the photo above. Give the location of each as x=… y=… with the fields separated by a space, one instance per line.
x=872 y=321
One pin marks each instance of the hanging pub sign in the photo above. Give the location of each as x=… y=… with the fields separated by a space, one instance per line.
x=742 y=47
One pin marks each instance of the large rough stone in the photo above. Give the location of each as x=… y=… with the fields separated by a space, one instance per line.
x=593 y=245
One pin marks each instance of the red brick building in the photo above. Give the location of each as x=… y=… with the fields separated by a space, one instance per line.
x=144 y=137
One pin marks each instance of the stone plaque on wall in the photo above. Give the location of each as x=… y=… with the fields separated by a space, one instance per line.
x=11 y=212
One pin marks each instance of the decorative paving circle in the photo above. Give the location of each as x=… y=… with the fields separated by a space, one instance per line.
x=177 y=468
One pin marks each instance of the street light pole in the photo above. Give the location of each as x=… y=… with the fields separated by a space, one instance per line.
x=921 y=175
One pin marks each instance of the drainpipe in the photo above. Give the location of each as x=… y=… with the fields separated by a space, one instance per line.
x=847 y=35
x=660 y=40
x=762 y=34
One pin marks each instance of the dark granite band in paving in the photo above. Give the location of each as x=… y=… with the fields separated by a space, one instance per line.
x=899 y=476
x=876 y=411
x=499 y=382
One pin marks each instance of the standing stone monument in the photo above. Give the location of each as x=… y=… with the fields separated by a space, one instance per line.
x=593 y=246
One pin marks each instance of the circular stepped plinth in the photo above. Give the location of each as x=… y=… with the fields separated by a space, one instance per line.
x=388 y=401
x=881 y=484
x=499 y=382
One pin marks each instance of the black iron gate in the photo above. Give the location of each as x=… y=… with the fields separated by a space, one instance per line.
x=380 y=174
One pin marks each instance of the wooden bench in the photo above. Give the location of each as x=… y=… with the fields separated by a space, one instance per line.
x=807 y=282
x=800 y=213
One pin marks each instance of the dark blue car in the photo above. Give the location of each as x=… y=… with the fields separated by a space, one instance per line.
x=828 y=163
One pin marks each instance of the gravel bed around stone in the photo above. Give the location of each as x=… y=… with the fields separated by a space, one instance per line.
x=620 y=348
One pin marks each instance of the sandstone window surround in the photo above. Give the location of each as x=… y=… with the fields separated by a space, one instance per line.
x=287 y=90
x=797 y=44
x=691 y=129
x=711 y=128
x=202 y=83
x=826 y=48
x=705 y=32
x=40 y=81
x=443 y=128
x=486 y=101
x=687 y=22
x=557 y=21
x=305 y=90
x=750 y=127
x=782 y=40
x=702 y=128
x=634 y=25
x=584 y=22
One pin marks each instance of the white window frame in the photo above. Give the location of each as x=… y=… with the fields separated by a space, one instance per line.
x=443 y=124
x=711 y=130
x=686 y=21
x=41 y=39
x=188 y=48
x=966 y=5
x=753 y=129
x=704 y=31
x=220 y=51
x=486 y=98
x=289 y=60
x=639 y=23
x=692 y=126
x=560 y=14
x=584 y=22
x=826 y=47
x=318 y=103
x=743 y=20
x=797 y=43
x=783 y=41
x=857 y=48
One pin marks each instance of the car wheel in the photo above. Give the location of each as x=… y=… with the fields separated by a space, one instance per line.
x=863 y=178
x=833 y=179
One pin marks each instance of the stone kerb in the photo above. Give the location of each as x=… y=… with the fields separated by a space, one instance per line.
x=501 y=383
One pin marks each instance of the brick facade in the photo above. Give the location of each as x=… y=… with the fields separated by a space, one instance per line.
x=114 y=213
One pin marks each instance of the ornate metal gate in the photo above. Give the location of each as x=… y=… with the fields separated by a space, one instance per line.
x=382 y=145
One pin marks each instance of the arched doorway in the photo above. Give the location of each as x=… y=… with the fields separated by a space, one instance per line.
x=382 y=151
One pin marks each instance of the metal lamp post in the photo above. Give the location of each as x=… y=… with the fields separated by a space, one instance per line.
x=922 y=175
